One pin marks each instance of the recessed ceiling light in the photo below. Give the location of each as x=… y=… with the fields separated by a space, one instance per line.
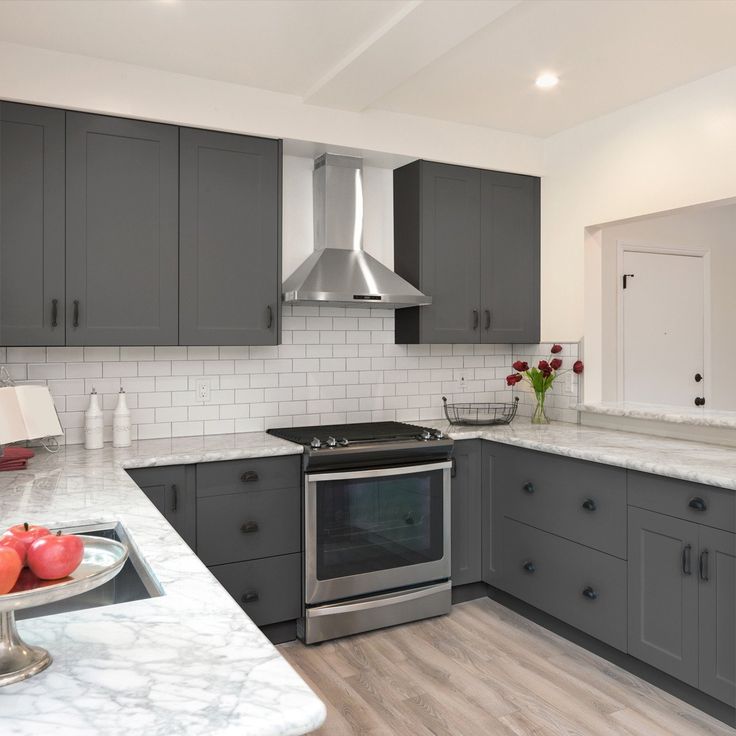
x=547 y=80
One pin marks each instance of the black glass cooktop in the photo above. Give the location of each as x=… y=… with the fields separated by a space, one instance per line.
x=368 y=432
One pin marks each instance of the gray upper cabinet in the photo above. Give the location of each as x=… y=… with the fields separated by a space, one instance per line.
x=229 y=272
x=717 y=599
x=469 y=239
x=509 y=258
x=437 y=248
x=466 y=513
x=31 y=225
x=663 y=593
x=121 y=231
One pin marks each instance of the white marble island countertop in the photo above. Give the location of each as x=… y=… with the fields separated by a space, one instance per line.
x=188 y=662
x=699 y=462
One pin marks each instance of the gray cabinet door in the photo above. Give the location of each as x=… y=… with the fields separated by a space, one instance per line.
x=31 y=225
x=509 y=258
x=230 y=276
x=450 y=253
x=663 y=593
x=121 y=231
x=466 y=513
x=491 y=514
x=171 y=490
x=717 y=572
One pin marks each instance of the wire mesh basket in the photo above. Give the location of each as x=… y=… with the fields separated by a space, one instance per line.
x=481 y=412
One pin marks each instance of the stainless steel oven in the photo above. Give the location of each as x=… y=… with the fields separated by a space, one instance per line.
x=375 y=530
x=376 y=526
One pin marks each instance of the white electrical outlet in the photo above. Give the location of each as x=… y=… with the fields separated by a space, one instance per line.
x=202 y=389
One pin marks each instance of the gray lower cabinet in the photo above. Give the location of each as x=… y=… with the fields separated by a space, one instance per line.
x=32 y=288
x=663 y=593
x=468 y=238
x=230 y=239
x=171 y=490
x=581 y=586
x=249 y=525
x=122 y=234
x=682 y=590
x=466 y=513
x=717 y=610
x=269 y=590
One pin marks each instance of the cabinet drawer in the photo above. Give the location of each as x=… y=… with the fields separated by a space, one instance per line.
x=707 y=505
x=578 y=500
x=268 y=590
x=243 y=476
x=247 y=526
x=578 y=585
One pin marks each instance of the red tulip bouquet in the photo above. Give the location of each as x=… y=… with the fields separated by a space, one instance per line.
x=540 y=378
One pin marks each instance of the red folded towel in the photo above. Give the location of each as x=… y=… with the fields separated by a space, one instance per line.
x=13 y=465
x=15 y=458
x=16 y=453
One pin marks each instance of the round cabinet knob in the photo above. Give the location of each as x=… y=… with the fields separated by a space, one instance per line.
x=589 y=504
x=250 y=596
x=331 y=442
x=590 y=594
x=528 y=487
x=698 y=504
x=529 y=566
x=316 y=443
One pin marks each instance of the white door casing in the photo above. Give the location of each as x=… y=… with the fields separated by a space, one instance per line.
x=663 y=324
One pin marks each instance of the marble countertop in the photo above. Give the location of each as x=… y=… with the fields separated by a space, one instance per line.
x=665 y=413
x=189 y=662
x=700 y=462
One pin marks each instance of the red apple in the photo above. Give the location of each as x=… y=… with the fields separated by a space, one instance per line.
x=10 y=567
x=27 y=534
x=55 y=556
x=14 y=543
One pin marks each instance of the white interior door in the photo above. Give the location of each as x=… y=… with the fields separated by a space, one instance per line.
x=663 y=327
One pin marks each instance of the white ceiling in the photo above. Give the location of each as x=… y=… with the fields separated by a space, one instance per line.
x=471 y=61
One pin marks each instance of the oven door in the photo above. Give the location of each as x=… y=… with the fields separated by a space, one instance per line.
x=375 y=530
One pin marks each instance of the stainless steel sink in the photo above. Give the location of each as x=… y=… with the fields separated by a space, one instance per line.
x=133 y=583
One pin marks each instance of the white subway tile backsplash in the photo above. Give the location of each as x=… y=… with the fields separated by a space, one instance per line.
x=334 y=365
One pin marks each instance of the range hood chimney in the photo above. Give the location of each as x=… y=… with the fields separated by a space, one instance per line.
x=340 y=272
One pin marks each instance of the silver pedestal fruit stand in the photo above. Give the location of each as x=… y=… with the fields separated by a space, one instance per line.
x=103 y=559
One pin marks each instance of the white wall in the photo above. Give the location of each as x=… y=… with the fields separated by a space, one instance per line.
x=711 y=229
x=670 y=151
x=78 y=82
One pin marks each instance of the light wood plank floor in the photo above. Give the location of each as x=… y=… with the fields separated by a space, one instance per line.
x=484 y=670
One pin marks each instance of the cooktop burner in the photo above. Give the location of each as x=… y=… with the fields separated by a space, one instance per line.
x=342 y=435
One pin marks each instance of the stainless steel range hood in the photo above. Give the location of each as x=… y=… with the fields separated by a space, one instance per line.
x=340 y=272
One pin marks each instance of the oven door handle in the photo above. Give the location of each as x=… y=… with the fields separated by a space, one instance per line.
x=378 y=472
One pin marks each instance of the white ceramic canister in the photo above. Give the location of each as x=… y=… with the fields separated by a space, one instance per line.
x=93 y=433
x=121 y=422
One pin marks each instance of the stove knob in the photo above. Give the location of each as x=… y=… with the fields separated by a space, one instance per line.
x=343 y=442
x=331 y=442
x=438 y=434
x=425 y=435
x=316 y=443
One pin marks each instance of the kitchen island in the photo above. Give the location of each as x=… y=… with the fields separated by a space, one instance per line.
x=187 y=662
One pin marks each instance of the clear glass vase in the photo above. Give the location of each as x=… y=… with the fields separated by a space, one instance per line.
x=539 y=417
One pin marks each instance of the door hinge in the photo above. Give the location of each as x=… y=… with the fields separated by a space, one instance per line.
x=626 y=278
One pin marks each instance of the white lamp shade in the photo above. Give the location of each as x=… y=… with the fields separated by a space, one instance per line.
x=27 y=413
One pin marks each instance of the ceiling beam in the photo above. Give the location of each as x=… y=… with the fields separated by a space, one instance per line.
x=422 y=31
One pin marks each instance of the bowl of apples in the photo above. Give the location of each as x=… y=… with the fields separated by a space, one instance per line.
x=38 y=566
